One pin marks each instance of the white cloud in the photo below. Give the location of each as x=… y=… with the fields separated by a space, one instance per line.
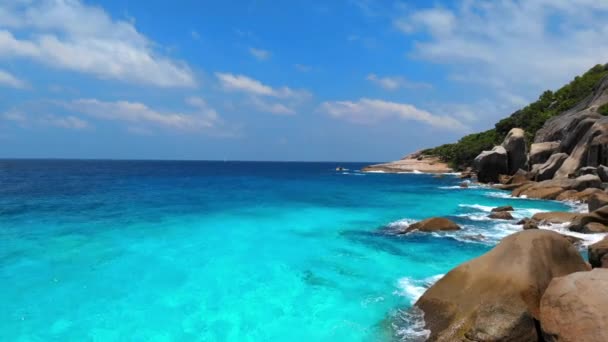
x=395 y=82
x=370 y=111
x=10 y=80
x=513 y=44
x=260 y=54
x=23 y=120
x=69 y=122
x=272 y=108
x=244 y=84
x=74 y=36
x=139 y=113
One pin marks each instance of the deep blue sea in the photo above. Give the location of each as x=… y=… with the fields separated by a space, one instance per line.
x=227 y=251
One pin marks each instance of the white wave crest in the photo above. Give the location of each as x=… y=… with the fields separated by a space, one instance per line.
x=413 y=289
x=403 y=223
x=478 y=207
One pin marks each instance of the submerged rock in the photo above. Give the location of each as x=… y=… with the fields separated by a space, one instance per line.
x=503 y=208
x=432 y=225
x=573 y=308
x=501 y=215
x=496 y=297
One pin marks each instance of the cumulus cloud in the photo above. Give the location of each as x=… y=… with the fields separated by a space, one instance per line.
x=10 y=80
x=395 y=82
x=370 y=111
x=524 y=44
x=138 y=113
x=74 y=36
x=259 y=54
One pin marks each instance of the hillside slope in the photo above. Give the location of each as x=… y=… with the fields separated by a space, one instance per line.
x=531 y=119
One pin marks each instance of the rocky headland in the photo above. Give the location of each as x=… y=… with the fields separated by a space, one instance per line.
x=534 y=285
x=415 y=162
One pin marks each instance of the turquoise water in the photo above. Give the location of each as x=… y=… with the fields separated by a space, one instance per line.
x=213 y=251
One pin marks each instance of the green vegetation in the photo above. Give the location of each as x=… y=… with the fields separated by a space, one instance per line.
x=530 y=119
x=603 y=109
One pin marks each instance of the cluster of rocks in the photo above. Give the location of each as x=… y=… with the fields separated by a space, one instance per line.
x=533 y=286
x=574 y=143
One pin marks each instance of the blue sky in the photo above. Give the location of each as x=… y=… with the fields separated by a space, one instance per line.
x=350 y=80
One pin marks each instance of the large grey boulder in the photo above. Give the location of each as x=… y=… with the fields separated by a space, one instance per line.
x=515 y=145
x=496 y=296
x=563 y=125
x=540 y=152
x=549 y=168
x=591 y=149
x=573 y=308
x=491 y=164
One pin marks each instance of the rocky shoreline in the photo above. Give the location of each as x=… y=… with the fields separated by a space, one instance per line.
x=415 y=162
x=534 y=285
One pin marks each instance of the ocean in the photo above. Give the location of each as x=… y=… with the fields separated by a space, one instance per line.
x=228 y=251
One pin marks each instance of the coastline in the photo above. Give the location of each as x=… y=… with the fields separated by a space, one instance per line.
x=544 y=230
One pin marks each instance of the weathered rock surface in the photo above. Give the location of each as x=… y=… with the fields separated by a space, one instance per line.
x=555 y=217
x=602 y=172
x=594 y=222
x=432 y=225
x=573 y=308
x=597 y=200
x=496 y=297
x=501 y=215
x=578 y=196
x=551 y=189
x=587 y=170
x=515 y=145
x=597 y=251
x=549 y=168
x=561 y=126
x=491 y=164
x=590 y=149
x=540 y=152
